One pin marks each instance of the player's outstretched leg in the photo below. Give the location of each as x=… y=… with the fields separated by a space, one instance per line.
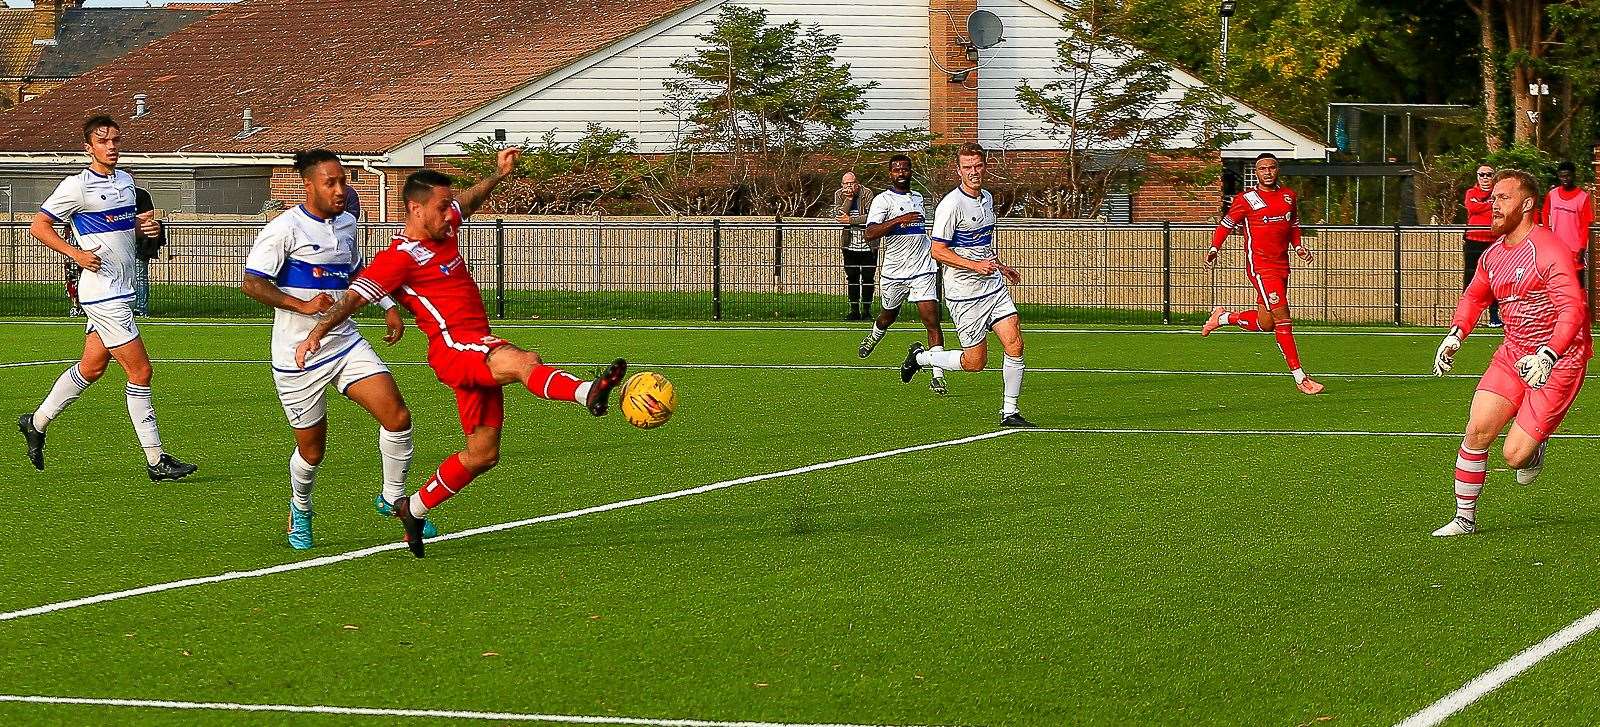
x=1218 y=314
x=509 y=363
x=1283 y=330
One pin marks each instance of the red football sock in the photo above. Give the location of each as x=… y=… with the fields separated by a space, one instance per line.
x=1284 y=331
x=549 y=382
x=1245 y=319
x=451 y=478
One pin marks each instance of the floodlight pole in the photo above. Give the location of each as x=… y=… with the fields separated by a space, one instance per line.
x=1224 y=9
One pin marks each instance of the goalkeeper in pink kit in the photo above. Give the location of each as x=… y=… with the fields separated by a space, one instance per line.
x=1536 y=373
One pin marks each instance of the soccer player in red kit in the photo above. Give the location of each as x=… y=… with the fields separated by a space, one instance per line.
x=1266 y=215
x=1536 y=373
x=424 y=271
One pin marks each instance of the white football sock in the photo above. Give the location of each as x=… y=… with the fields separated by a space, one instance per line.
x=948 y=360
x=396 y=450
x=143 y=414
x=1012 y=372
x=302 y=477
x=877 y=333
x=66 y=390
x=417 y=508
x=1299 y=375
x=581 y=395
x=937 y=371
x=1225 y=319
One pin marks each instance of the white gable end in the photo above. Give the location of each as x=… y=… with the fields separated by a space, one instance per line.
x=622 y=87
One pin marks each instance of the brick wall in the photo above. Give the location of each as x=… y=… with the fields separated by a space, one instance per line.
x=1158 y=201
x=953 y=107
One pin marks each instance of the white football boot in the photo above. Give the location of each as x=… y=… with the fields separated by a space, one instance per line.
x=1528 y=474
x=1457 y=526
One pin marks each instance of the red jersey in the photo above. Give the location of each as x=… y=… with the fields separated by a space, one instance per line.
x=1569 y=215
x=1480 y=213
x=430 y=278
x=1536 y=284
x=1270 y=225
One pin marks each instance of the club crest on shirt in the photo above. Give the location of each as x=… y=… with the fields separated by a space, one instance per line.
x=1518 y=277
x=420 y=254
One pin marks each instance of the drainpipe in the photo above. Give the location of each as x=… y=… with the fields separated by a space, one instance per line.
x=383 y=189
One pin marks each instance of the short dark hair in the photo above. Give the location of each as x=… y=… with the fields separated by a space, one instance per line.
x=1524 y=180
x=1266 y=155
x=971 y=149
x=1567 y=166
x=96 y=123
x=306 y=161
x=899 y=158
x=419 y=186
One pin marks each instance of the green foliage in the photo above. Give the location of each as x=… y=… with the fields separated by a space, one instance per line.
x=758 y=87
x=556 y=178
x=1115 y=108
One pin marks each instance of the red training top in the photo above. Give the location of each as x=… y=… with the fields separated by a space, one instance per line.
x=1480 y=213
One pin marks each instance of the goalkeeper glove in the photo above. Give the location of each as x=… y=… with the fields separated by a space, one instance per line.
x=1446 y=357
x=1535 y=367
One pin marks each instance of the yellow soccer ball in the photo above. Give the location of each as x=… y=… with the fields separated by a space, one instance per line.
x=648 y=400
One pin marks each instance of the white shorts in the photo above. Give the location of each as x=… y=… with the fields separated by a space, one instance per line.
x=113 y=320
x=974 y=318
x=304 y=393
x=896 y=291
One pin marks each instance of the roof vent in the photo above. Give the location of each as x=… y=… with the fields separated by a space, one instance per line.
x=250 y=127
x=140 y=105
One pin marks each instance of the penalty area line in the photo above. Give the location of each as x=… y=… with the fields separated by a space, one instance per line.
x=416 y=713
x=1507 y=670
x=386 y=547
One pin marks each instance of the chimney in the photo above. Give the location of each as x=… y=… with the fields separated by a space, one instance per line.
x=249 y=123
x=953 y=108
x=140 y=107
x=47 y=19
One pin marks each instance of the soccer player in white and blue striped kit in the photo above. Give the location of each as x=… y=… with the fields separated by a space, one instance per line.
x=301 y=263
x=975 y=286
x=101 y=206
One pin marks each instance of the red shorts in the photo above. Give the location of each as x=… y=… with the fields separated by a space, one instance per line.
x=1272 y=289
x=1539 y=411
x=464 y=367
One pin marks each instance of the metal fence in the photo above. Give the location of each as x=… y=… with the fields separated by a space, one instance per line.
x=764 y=270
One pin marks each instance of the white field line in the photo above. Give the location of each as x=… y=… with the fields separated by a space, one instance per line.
x=1273 y=432
x=831 y=367
x=374 y=550
x=1495 y=678
x=1175 y=331
x=419 y=713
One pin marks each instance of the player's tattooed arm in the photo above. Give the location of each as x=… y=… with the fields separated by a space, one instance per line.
x=264 y=292
x=505 y=165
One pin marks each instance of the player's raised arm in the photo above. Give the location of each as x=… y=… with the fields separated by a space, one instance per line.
x=505 y=164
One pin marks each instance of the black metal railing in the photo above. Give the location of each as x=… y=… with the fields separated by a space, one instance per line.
x=744 y=269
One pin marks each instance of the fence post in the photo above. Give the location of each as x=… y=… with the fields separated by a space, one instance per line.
x=716 y=270
x=499 y=267
x=777 y=253
x=1397 y=299
x=1166 y=272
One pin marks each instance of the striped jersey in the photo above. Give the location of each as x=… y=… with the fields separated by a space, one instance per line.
x=102 y=212
x=966 y=225
x=430 y=278
x=905 y=247
x=1536 y=284
x=1270 y=225
x=306 y=256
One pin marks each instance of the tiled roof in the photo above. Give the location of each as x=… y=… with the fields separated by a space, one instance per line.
x=17 y=51
x=88 y=37
x=355 y=76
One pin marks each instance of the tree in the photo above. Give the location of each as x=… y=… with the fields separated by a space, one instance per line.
x=554 y=178
x=1115 y=109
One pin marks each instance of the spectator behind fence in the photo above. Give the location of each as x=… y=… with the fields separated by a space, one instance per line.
x=145 y=248
x=352 y=202
x=1480 y=214
x=851 y=202
x=1569 y=211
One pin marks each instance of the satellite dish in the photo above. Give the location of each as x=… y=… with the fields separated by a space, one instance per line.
x=984 y=29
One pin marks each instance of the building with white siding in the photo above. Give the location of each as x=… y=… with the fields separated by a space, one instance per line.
x=399 y=85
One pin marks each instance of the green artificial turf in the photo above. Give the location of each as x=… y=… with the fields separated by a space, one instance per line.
x=1037 y=578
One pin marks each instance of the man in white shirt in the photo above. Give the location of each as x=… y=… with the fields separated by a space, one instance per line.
x=301 y=262
x=975 y=286
x=99 y=204
x=908 y=270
